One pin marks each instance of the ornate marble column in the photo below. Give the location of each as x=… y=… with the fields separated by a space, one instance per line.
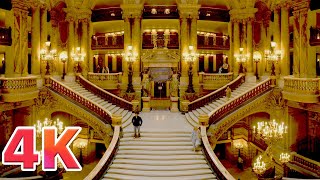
x=206 y=63
x=236 y=45
x=54 y=39
x=231 y=51
x=127 y=42
x=114 y=63
x=44 y=33
x=285 y=41
x=35 y=41
x=276 y=35
x=84 y=45
x=136 y=44
x=20 y=38
x=184 y=45
x=300 y=42
x=90 y=52
x=71 y=48
x=250 y=47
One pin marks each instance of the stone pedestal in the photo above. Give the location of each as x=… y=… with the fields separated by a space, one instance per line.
x=251 y=78
x=135 y=106
x=174 y=104
x=184 y=106
x=70 y=78
x=204 y=120
x=116 y=120
x=146 y=104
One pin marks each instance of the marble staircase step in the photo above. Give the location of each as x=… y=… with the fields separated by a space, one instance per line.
x=156 y=148
x=190 y=120
x=160 y=168
x=159 y=157
x=140 y=142
x=159 y=162
x=142 y=152
x=130 y=177
x=160 y=173
x=158 y=139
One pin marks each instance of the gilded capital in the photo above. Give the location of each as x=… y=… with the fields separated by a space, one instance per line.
x=131 y=10
x=189 y=10
x=240 y=15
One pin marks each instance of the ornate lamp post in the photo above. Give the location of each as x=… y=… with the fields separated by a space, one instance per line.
x=63 y=59
x=238 y=146
x=190 y=58
x=81 y=146
x=130 y=59
x=241 y=58
x=273 y=56
x=48 y=54
x=78 y=57
x=256 y=59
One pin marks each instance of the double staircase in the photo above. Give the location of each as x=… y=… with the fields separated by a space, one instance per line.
x=107 y=106
x=158 y=155
x=192 y=116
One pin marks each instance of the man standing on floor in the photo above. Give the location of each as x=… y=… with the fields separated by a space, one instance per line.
x=137 y=122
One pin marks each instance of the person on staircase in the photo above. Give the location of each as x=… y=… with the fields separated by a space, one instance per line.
x=196 y=138
x=228 y=93
x=137 y=122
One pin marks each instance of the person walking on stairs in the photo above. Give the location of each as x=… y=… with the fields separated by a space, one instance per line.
x=137 y=122
x=196 y=138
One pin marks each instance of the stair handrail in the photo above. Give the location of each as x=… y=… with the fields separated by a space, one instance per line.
x=104 y=94
x=70 y=93
x=106 y=159
x=216 y=165
x=217 y=114
x=216 y=94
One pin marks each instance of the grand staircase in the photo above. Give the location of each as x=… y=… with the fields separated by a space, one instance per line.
x=112 y=108
x=158 y=155
x=192 y=116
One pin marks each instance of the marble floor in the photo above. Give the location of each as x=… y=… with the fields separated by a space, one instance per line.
x=86 y=169
x=163 y=120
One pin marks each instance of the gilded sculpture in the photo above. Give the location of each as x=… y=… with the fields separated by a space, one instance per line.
x=174 y=86
x=146 y=85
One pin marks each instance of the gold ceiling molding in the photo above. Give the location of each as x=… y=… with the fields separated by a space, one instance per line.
x=131 y=10
x=189 y=10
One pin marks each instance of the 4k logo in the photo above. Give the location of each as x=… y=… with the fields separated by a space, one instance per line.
x=21 y=149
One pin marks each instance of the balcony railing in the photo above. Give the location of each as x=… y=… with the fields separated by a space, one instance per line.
x=301 y=89
x=216 y=94
x=314 y=36
x=231 y=106
x=213 y=81
x=18 y=89
x=160 y=40
x=305 y=163
x=218 y=42
x=78 y=98
x=107 y=158
x=105 y=80
x=107 y=42
x=5 y=36
x=111 y=98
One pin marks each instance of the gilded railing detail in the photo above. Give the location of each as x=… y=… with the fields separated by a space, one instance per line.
x=107 y=158
x=301 y=89
x=305 y=163
x=96 y=108
x=230 y=106
x=216 y=165
x=213 y=81
x=111 y=98
x=216 y=94
x=18 y=89
x=105 y=80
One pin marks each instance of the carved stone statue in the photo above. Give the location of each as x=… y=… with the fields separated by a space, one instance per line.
x=174 y=86
x=146 y=85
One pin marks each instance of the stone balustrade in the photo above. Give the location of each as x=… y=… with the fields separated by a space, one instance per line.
x=107 y=158
x=105 y=80
x=111 y=98
x=304 y=90
x=305 y=163
x=221 y=172
x=213 y=81
x=216 y=94
x=18 y=89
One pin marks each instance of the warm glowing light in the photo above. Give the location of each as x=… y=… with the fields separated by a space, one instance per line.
x=256 y=56
x=63 y=56
x=273 y=44
x=284 y=157
x=271 y=129
x=47 y=122
x=259 y=167
x=153 y=11
x=78 y=56
x=241 y=57
x=167 y=11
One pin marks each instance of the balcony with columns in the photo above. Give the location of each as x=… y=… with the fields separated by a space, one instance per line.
x=111 y=40
x=213 y=41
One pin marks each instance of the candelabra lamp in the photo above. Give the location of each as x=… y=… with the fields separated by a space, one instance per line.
x=238 y=146
x=241 y=58
x=130 y=59
x=47 y=55
x=81 y=146
x=272 y=56
x=63 y=59
x=78 y=57
x=256 y=59
x=48 y=122
x=190 y=58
